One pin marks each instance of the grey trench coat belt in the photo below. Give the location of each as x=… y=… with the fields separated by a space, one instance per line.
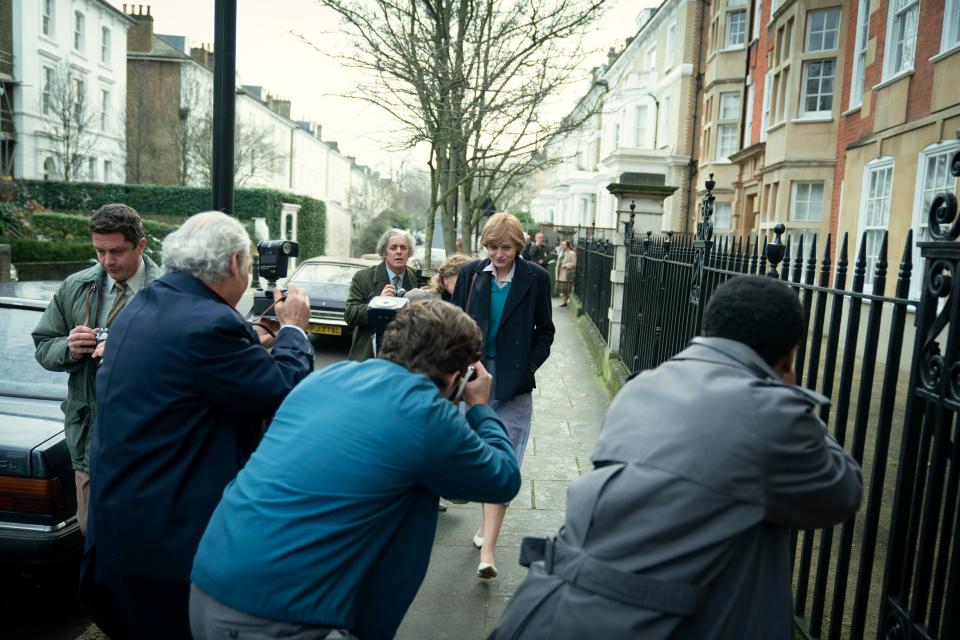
x=575 y=567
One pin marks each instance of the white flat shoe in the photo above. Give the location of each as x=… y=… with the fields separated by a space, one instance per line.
x=486 y=571
x=477 y=541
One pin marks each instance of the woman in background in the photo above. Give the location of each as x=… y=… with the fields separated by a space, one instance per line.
x=566 y=268
x=509 y=298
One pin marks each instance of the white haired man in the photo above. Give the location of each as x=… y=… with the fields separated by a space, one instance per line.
x=184 y=392
x=385 y=279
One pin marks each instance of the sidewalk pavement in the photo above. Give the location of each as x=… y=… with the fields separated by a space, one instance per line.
x=568 y=407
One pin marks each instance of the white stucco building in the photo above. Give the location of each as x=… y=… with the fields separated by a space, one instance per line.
x=644 y=124
x=79 y=44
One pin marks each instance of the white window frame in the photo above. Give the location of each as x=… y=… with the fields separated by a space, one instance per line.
x=756 y=19
x=736 y=3
x=48 y=16
x=650 y=59
x=950 y=38
x=49 y=168
x=105 y=46
x=47 y=78
x=765 y=116
x=92 y=169
x=808 y=200
x=727 y=42
x=79 y=31
x=876 y=166
x=104 y=109
x=858 y=74
x=722 y=222
x=107 y=170
x=748 y=119
x=824 y=33
x=944 y=148
x=671 y=46
x=894 y=59
x=641 y=116
x=726 y=133
x=736 y=108
x=804 y=112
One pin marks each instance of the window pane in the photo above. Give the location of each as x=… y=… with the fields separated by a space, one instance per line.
x=729 y=106
x=736 y=24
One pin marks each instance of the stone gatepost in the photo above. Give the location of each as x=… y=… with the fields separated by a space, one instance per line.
x=640 y=199
x=289 y=212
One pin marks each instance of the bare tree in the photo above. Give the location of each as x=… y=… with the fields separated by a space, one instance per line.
x=71 y=120
x=470 y=78
x=191 y=118
x=255 y=153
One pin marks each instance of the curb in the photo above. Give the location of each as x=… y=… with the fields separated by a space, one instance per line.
x=610 y=368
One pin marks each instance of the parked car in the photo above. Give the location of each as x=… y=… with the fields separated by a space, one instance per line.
x=326 y=280
x=437 y=256
x=38 y=505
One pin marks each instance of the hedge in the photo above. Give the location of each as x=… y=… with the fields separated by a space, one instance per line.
x=48 y=250
x=182 y=201
x=61 y=226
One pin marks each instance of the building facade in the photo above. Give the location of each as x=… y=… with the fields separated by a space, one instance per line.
x=644 y=121
x=69 y=73
x=900 y=123
x=785 y=170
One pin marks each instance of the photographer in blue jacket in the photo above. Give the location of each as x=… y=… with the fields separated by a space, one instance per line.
x=327 y=531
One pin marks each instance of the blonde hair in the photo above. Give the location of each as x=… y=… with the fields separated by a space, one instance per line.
x=501 y=227
x=450 y=267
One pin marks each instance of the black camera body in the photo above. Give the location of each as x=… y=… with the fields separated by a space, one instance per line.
x=380 y=311
x=274 y=262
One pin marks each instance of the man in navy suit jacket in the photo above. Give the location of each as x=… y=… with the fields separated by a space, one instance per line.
x=183 y=395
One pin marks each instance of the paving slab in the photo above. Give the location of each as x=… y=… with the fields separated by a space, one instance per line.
x=568 y=407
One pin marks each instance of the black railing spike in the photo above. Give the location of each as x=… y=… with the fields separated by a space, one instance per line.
x=785 y=271
x=907 y=259
x=860 y=266
x=842 y=259
x=825 y=265
x=881 y=268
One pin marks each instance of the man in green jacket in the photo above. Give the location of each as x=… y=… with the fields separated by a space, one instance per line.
x=66 y=336
x=385 y=279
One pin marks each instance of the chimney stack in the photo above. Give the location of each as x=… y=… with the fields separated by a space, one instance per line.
x=203 y=55
x=140 y=35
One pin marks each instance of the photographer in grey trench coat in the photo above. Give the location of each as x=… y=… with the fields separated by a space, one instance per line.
x=703 y=466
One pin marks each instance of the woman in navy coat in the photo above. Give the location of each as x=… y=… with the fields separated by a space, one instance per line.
x=509 y=298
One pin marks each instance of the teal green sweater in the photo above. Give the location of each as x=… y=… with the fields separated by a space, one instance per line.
x=498 y=299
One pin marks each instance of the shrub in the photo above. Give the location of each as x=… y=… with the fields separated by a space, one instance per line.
x=172 y=200
x=10 y=222
x=48 y=250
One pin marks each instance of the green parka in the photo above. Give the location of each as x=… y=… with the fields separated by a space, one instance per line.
x=76 y=302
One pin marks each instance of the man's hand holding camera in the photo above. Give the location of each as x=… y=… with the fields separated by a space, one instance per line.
x=477 y=390
x=391 y=291
x=82 y=341
x=292 y=309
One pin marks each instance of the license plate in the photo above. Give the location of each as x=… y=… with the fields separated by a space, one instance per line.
x=325 y=330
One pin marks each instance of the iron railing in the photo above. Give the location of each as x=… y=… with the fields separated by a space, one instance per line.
x=592 y=281
x=853 y=352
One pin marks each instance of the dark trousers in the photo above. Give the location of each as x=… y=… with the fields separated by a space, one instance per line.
x=135 y=607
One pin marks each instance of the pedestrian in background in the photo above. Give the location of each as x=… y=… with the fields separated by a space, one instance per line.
x=566 y=269
x=703 y=467
x=385 y=279
x=183 y=395
x=331 y=523
x=445 y=280
x=509 y=298
x=66 y=336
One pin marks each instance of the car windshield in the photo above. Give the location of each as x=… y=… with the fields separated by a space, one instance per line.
x=321 y=272
x=20 y=374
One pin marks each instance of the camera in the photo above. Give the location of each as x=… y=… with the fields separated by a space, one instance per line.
x=275 y=257
x=380 y=311
x=274 y=262
x=100 y=334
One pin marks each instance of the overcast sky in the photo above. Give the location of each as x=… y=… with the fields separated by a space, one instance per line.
x=270 y=53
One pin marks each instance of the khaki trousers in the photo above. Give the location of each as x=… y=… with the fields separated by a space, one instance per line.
x=82 y=480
